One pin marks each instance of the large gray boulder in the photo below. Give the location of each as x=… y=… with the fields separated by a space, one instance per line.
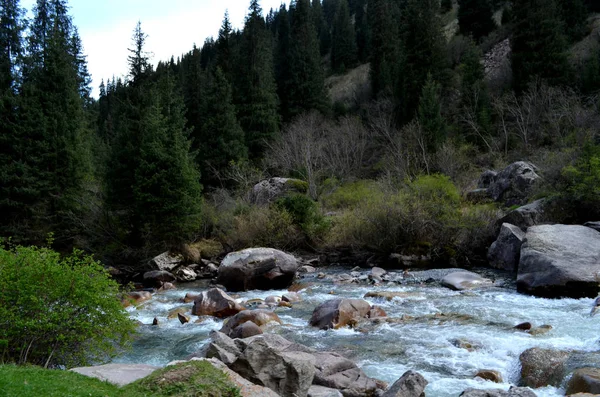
x=512 y=392
x=504 y=253
x=257 y=268
x=460 y=281
x=560 y=261
x=593 y=225
x=289 y=368
x=269 y=190
x=321 y=391
x=411 y=384
x=542 y=367
x=259 y=317
x=156 y=278
x=119 y=374
x=339 y=313
x=527 y=215
x=513 y=184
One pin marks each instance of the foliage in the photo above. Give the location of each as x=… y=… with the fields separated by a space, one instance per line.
x=430 y=115
x=350 y=195
x=475 y=18
x=343 y=50
x=422 y=217
x=58 y=311
x=583 y=183
x=305 y=213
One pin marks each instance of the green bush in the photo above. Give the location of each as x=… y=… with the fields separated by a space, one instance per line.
x=582 y=182
x=423 y=217
x=350 y=195
x=58 y=311
x=305 y=213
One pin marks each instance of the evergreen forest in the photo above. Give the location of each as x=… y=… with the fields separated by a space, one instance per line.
x=382 y=112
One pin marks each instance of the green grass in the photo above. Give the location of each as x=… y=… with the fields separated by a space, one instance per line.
x=196 y=378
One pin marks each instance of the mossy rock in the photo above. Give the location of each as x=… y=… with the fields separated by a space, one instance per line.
x=189 y=379
x=297 y=185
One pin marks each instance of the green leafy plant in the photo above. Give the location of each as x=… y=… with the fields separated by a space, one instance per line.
x=58 y=311
x=305 y=213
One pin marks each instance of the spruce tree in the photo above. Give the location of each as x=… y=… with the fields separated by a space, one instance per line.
x=363 y=32
x=255 y=95
x=574 y=14
x=52 y=113
x=343 y=48
x=446 y=6
x=13 y=185
x=424 y=53
x=385 y=45
x=283 y=62
x=306 y=86
x=221 y=139
x=320 y=23
x=538 y=44
x=166 y=188
x=475 y=18
x=223 y=47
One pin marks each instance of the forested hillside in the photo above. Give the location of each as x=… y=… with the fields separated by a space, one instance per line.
x=167 y=155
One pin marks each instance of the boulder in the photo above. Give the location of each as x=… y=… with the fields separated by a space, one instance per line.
x=376 y=312
x=307 y=269
x=186 y=274
x=512 y=392
x=541 y=330
x=584 y=380
x=245 y=330
x=526 y=326
x=183 y=319
x=167 y=287
x=527 y=215
x=337 y=372
x=118 y=374
x=166 y=261
x=504 y=253
x=247 y=389
x=411 y=384
x=338 y=313
x=460 y=281
x=513 y=184
x=258 y=317
x=135 y=298
x=272 y=361
x=378 y=272
x=190 y=297
x=389 y=295
x=477 y=196
x=269 y=190
x=321 y=391
x=156 y=278
x=542 y=367
x=486 y=179
x=215 y=302
x=593 y=225
x=560 y=261
x=281 y=365
x=291 y=297
x=490 y=374
x=257 y=268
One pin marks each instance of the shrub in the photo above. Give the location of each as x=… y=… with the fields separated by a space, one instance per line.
x=305 y=213
x=350 y=195
x=582 y=182
x=58 y=311
x=423 y=217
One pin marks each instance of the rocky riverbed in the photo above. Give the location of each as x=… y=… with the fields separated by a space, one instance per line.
x=446 y=335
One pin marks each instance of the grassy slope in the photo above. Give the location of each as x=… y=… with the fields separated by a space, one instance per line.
x=198 y=379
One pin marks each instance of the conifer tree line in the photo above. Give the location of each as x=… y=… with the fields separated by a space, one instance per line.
x=129 y=169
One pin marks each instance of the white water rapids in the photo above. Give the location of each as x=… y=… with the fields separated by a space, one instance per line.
x=385 y=351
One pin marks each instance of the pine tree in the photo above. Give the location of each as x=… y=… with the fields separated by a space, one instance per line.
x=363 y=32
x=430 y=115
x=538 y=45
x=138 y=59
x=13 y=186
x=223 y=47
x=283 y=62
x=475 y=18
x=343 y=49
x=306 y=87
x=384 y=47
x=320 y=24
x=221 y=139
x=255 y=96
x=424 y=53
x=166 y=188
x=57 y=153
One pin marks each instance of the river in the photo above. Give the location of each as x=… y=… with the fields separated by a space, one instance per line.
x=435 y=319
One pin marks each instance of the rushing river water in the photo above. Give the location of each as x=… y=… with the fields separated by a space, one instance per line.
x=426 y=341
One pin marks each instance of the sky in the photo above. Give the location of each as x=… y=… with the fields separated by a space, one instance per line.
x=173 y=27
